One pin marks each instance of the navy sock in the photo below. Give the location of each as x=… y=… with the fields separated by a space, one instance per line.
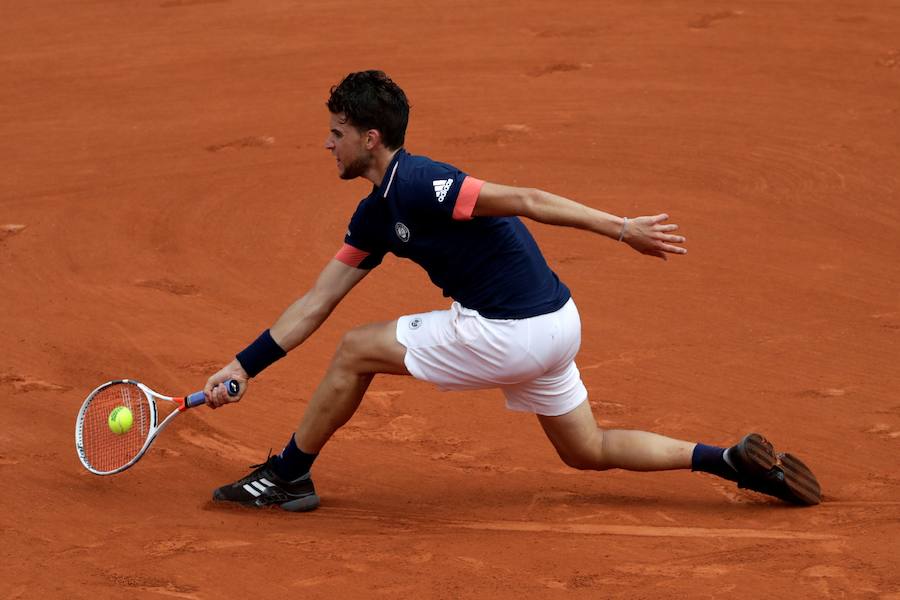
x=711 y=459
x=292 y=462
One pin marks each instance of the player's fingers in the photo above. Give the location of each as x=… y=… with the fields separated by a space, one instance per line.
x=216 y=397
x=222 y=395
x=675 y=239
x=212 y=383
x=674 y=249
x=658 y=218
x=654 y=252
x=211 y=400
x=666 y=228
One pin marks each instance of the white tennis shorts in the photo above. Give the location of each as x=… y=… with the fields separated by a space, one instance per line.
x=532 y=360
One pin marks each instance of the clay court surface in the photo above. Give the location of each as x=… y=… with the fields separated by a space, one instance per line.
x=165 y=194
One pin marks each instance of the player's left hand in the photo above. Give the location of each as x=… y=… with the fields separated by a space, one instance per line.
x=649 y=235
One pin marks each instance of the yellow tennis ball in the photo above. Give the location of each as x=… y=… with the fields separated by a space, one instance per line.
x=120 y=420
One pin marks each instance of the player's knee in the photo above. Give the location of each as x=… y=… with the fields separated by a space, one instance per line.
x=587 y=456
x=353 y=349
x=348 y=348
x=582 y=462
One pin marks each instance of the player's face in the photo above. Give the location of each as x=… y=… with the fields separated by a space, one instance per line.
x=348 y=146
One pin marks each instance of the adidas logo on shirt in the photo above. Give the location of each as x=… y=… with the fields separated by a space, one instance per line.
x=441 y=187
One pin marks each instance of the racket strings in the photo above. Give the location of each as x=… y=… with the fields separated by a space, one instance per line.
x=105 y=450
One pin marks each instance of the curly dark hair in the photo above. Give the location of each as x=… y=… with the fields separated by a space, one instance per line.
x=371 y=100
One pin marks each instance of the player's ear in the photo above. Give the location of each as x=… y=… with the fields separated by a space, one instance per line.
x=373 y=138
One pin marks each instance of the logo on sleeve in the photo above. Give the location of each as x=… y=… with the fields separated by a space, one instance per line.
x=402 y=232
x=441 y=187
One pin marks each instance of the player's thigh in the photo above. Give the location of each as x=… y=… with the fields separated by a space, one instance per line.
x=553 y=393
x=373 y=348
x=574 y=433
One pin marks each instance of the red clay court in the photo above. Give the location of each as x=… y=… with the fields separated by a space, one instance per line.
x=165 y=194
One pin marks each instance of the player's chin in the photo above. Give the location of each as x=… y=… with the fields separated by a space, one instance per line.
x=351 y=170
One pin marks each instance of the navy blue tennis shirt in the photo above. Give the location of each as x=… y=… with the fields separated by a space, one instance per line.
x=423 y=211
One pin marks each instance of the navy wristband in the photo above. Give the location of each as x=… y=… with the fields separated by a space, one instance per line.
x=260 y=354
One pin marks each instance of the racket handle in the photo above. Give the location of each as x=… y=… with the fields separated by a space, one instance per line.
x=198 y=398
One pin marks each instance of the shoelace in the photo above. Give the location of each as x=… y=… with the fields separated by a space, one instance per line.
x=253 y=476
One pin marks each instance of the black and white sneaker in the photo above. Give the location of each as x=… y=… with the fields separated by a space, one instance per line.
x=781 y=475
x=263 y=488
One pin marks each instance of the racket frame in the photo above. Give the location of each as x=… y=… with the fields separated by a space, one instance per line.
x=183 y=402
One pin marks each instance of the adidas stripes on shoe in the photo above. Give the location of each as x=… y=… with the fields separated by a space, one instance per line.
x=262 y=487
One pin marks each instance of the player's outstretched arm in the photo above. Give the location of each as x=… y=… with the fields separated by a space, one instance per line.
x=305 y=315
x=648 y=235
x=294 y=326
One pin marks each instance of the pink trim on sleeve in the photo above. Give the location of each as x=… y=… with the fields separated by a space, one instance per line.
x=350 y=256
x=465 y=201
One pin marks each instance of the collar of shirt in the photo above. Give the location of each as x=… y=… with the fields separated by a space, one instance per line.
x=389 y=174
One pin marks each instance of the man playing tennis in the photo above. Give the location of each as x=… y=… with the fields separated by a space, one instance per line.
x=512 y=325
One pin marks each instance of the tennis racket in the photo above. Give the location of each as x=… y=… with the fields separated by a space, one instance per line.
x=104 y=452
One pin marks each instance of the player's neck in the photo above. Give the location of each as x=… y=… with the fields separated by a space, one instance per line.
x=381 y=158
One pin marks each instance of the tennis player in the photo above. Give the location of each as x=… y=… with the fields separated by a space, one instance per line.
x=512 y=324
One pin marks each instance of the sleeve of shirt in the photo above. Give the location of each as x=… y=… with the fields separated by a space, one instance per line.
x=359 y=250
x=444 y=191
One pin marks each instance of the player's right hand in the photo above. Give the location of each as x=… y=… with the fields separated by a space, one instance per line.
x=216 y=394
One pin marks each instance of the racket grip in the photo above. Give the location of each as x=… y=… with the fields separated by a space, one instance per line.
x=198 y=398
x=195 y=399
